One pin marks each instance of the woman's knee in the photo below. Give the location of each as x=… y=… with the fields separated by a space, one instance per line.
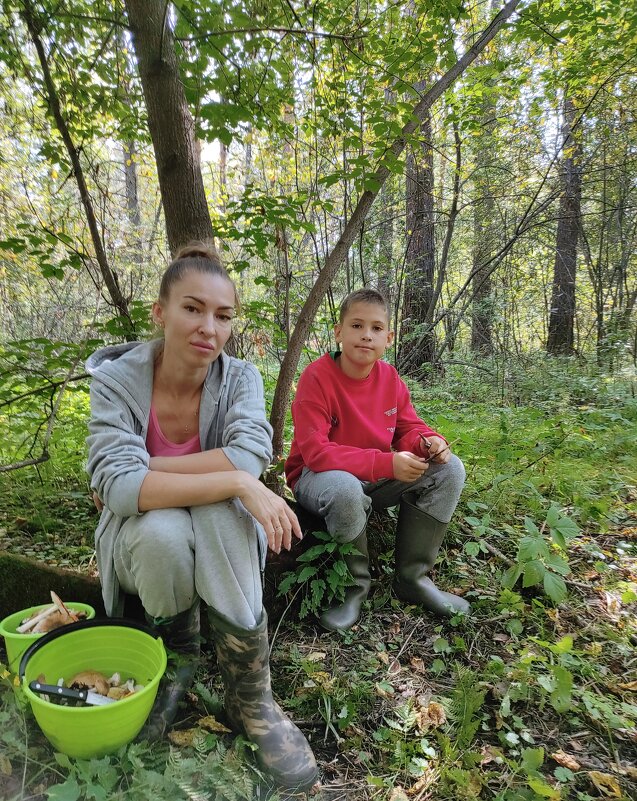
x=160 y=534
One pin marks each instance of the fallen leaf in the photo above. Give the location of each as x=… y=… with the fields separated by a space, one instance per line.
x=417 y=664
x=383 y=657
x=211 y=723
x=5 y=765
x=613 y=606
x=316 y=656
x=394 y=628
x=631 y=685
x=630 y=772
x=430 y=717
x=184 y=737
x=429 y=777
x=565 y=760
x=398 y=794
x=490 y=754
x=394 y=667
x=606 y=784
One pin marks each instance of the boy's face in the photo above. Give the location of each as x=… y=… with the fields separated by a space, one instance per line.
x=364 y=336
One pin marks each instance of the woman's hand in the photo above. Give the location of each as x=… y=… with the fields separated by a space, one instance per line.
x=274 y=514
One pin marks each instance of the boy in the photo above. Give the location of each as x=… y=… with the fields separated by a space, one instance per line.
x=359 y=445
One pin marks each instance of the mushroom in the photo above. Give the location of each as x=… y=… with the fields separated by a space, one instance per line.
x=90 y=680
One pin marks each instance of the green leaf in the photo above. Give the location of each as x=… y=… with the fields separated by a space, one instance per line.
x=532 y=759
x=533 y=573
x=307 y=572
x=555 y=587
x=561 y=695
x=552 y=516
x=543 y=788
x=567 y=527
x=531 y=548
x=530 y=526
x=472 y=548
x=67 y=791
x=563 y=646
x=563 y=774
x=510 y=576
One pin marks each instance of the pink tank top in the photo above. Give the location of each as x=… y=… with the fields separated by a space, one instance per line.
x=158 y=445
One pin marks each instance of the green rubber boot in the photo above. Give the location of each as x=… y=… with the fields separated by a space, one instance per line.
x=243 y=657
x=418 y=540
x=344 y=615
x=180 y=635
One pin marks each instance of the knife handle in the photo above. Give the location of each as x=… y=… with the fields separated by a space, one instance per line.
x=62 y=692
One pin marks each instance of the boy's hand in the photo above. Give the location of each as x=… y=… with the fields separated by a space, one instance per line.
x=408 y=467
x=438 y=450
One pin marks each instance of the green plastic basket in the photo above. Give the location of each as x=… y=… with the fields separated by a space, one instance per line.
x=16 y=644
x=108 y=646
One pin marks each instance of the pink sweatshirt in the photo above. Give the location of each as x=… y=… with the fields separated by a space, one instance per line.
x=343 y=423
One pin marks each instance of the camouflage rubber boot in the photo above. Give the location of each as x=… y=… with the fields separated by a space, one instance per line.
x=180 y=635
x=344 y=615
x=418 y=540
x=244 y=663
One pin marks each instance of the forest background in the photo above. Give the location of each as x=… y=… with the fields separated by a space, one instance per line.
x=477 y=162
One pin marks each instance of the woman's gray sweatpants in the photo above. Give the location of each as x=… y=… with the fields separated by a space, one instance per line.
x=170 y=556
x=344 y=501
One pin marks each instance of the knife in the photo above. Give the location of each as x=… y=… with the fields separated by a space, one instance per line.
x=88 y=696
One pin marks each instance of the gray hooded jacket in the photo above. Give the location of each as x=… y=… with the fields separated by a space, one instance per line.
x=231 y=417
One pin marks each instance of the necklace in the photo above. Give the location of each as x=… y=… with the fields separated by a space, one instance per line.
x=188 y=427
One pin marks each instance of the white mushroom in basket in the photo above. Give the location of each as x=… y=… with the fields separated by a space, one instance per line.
x=51 y=618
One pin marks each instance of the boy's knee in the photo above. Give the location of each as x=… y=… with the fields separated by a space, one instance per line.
x=455 y=471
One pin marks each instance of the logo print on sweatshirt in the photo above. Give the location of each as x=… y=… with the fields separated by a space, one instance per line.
x=391 y=412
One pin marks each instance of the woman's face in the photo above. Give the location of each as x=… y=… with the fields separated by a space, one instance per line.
x=197 y=317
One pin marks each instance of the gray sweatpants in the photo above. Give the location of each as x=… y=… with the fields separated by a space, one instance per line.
x=170 y=556
x=344 y=501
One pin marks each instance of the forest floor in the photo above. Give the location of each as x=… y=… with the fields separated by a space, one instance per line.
x=534 y=696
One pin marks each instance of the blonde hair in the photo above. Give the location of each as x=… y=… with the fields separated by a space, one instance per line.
x=365 y=295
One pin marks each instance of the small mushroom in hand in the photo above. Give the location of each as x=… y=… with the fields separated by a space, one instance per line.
x=90 y=680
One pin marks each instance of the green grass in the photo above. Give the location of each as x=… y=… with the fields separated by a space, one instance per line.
x=406 y=706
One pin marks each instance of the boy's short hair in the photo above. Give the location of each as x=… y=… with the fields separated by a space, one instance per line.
x=365 y=295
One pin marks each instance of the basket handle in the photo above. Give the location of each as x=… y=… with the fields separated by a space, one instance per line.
x=81 y=624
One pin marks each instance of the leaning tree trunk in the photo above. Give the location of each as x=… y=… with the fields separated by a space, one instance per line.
x=562 y=312
x=170 y=124
x=417 y=345
x=340 y=250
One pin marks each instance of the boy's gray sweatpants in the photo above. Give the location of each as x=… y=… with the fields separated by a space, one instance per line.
x=344 y=501
x=170 y=556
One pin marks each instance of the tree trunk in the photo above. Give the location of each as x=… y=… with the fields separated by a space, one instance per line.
x=562 y=313
x=417 y=345
x=385 y=272
x=170 y=124
x=338 y=254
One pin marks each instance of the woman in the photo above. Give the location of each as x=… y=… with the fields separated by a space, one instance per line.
x=178 y=439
